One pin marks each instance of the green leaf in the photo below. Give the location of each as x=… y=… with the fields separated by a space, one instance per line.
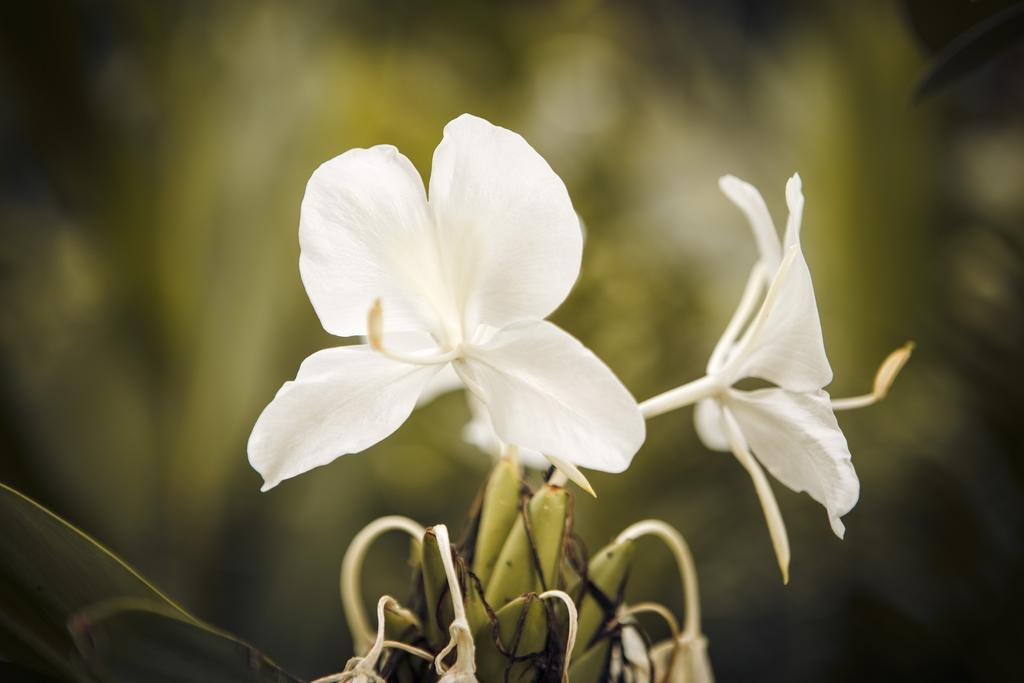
x=49 y=570
x=126 y=641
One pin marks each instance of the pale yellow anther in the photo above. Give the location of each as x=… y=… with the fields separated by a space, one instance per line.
x=890 y=368
x=884 y=379
x=375 y=326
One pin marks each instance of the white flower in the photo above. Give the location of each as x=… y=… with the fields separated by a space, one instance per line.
x=789 y=428
x=464 y=279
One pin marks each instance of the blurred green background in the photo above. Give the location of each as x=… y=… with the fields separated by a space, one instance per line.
x=153 y=160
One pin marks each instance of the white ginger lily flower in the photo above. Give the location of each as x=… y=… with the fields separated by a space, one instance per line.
x=789 y=428
x=462 y=280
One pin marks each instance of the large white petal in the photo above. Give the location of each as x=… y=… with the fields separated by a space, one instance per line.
x=366 y=232
x=784 y=344
x=545 y=391
x=343 y=400
x=510 y=239
x=751 y=203
x=798 y=440
x=479 y=431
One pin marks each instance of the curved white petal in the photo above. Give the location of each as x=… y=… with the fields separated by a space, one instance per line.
x=366 y=232
x=510 y=239
x=798 y=440
x=707 y=418
x=795 y=203
x=344 y=400
x=545 y=391
x=783 y=343
x=479 y=431
x=751 y=203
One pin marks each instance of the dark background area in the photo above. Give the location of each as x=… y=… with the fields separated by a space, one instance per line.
x=153 y=160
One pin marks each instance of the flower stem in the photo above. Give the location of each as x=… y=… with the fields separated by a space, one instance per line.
x=687 y=394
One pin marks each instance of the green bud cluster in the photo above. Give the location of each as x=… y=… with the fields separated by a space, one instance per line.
x=518 y=546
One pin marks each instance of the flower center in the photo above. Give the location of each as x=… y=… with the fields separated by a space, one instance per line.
x=375 y=335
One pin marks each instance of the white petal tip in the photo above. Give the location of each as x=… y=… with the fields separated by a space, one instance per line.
x=785 y=573
x=572 y=473
x=795 y=197
x=730 y=183
x=267 y=486
x=838 y=528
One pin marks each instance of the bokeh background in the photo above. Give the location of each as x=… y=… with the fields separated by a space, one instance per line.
x=153 y=160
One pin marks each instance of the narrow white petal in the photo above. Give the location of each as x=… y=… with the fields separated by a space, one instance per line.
x=366 y=233
x=344 y=400
x=784 y=343
x=510 y=238
x=751 y=203
x=770 y=506
x=707 y=418
x=749 y=301
x=797 y=438
x=544 y=390
x=795 y=203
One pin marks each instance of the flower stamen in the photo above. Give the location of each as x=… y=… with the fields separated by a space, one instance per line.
x=375 y=337
x=884 y=378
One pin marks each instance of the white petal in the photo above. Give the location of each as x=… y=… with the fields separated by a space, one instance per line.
x=545 y=391
x=751 y=203
x=756 y=282
x=445 y=381
x=707 y=418
x=763 y=488
x=479 y=431
x=511 y=241
x=344 y=400
x=366 y=233
x=784 y=344
x=795 y=202
x=797 y=438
